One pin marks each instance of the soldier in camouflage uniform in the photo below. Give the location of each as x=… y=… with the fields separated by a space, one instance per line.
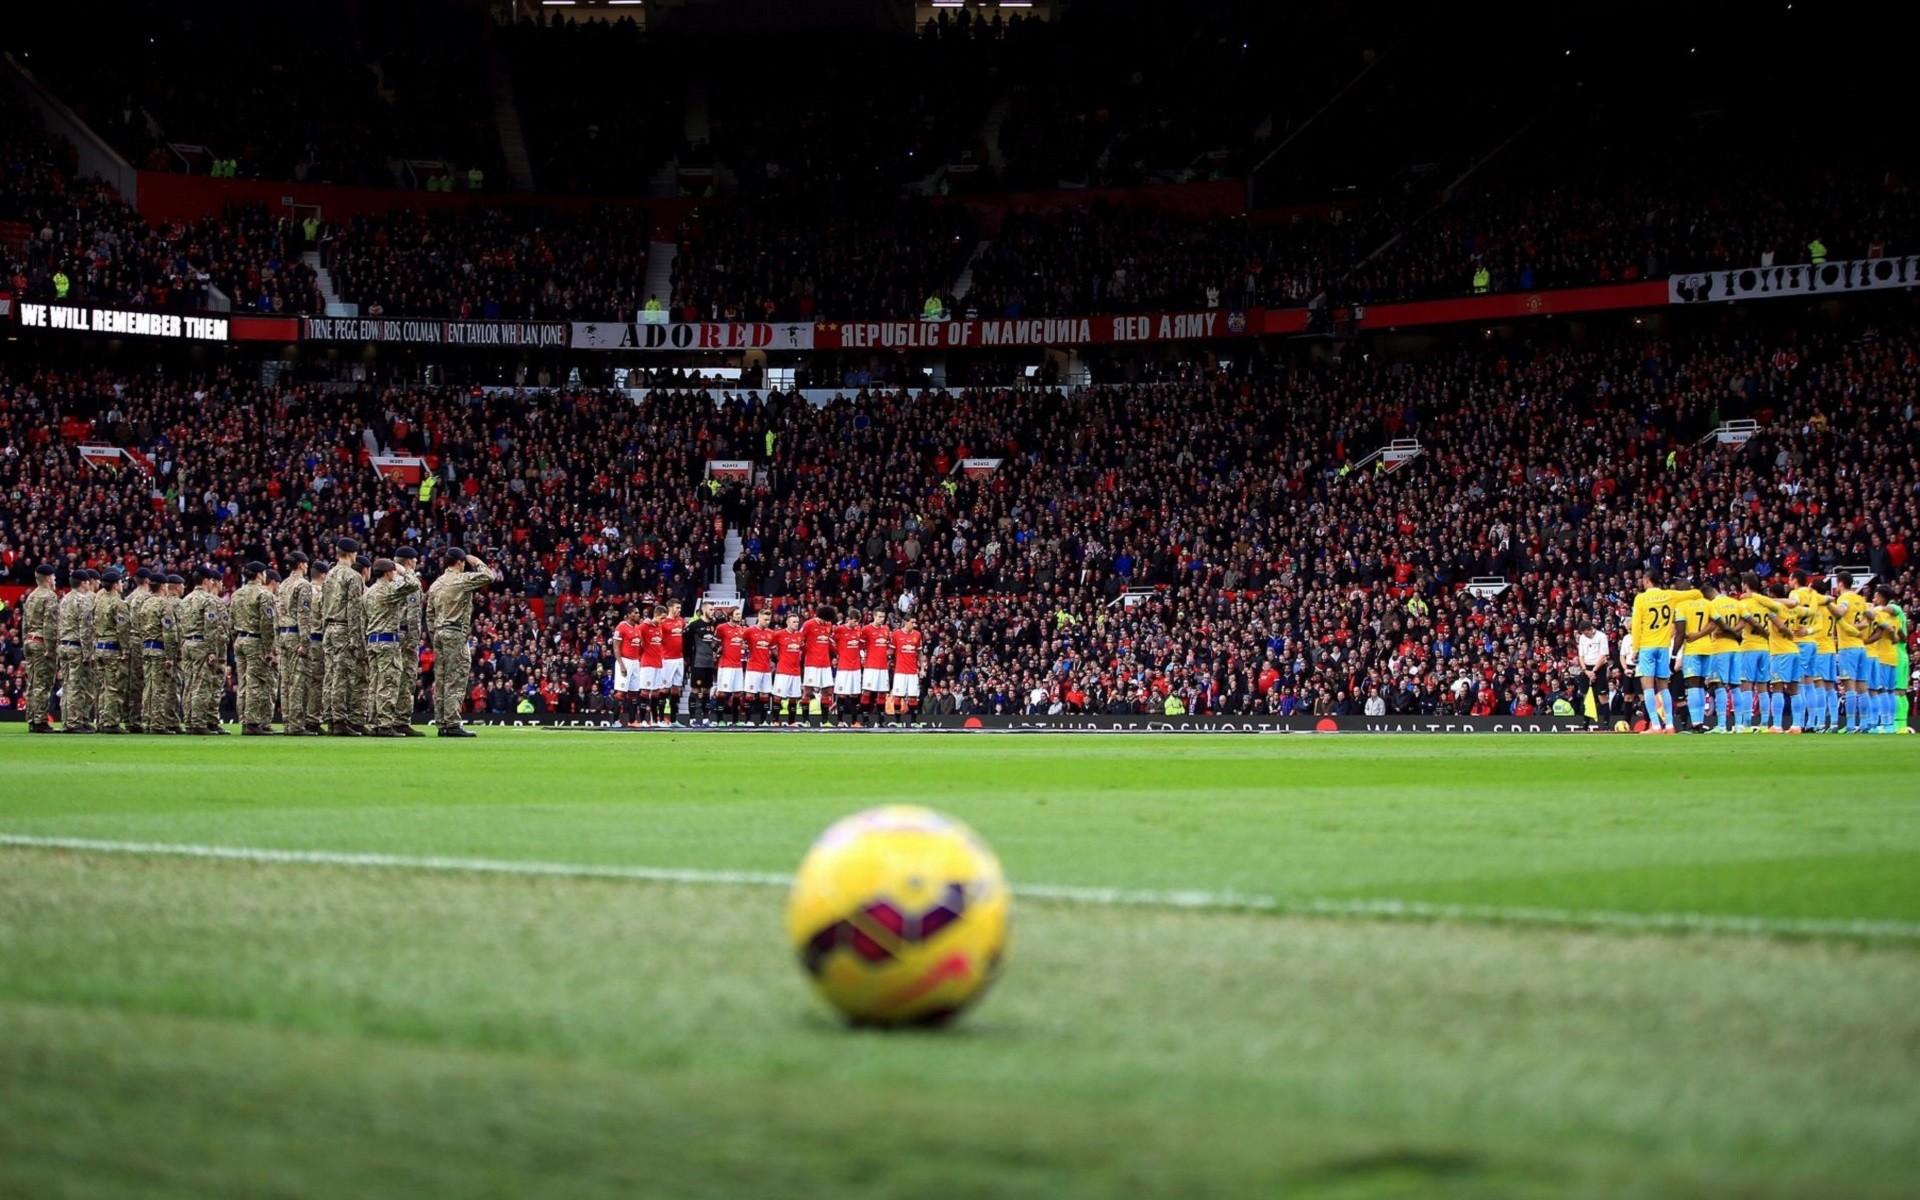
x=76 y=654
x=341 y=623
x=363 y=699
x=40 y=633
x=135 y=694
x=412 y=627
x=449 y=621
x=112 y=646
x=386 y=604
x=160 y=646
x=290 y=643
x=251 y=610
x=312 y=671
x=203 y=639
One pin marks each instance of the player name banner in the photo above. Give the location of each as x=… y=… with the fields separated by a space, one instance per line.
x=534 y=334
x=729 y=468
x=693 y=335
x=977 y=468
x=1034 y=331
x=1763 y=283
x=401 y=468
x=115 y=322
x=114 y=457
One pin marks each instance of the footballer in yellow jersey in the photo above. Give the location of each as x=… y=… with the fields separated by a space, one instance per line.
x=1651 y=636
x=1849 y=608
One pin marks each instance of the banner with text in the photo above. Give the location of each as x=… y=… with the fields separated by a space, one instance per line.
x=1031 y=331
x=114 y=322
x=1765 y=283
x=526 y=334
x=696 y=335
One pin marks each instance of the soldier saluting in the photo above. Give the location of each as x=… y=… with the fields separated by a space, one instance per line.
x=386 y=607
x=449 y=621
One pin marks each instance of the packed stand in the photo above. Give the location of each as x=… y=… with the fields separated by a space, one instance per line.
x=492 y=263
x=1203 y=536
x=789 y=256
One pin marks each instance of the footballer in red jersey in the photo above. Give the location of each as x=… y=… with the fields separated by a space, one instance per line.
x=650 y=667
x=877 y=659
x=789 y=655
x=816 y=668
x=628 y=636
x=906 y=666
x=760 y=655
x=847 y=647
x=730 y=678
x=673 y=658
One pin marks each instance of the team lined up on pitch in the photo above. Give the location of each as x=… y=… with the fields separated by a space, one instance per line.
x=336 y=650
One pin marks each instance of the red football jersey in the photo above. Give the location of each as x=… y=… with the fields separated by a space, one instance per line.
x=733 y=645
x=650 y=644
x=846 y=647
x=672 y=630
x=906 y=652
x=790 y=646
x=879 y=640
x=818 y=636
x=759 y=649
x=627 y=640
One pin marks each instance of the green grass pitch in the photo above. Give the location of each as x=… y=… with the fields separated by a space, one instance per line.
x=1621 y=967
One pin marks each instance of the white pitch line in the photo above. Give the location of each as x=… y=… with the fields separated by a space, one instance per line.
x=1378 y=909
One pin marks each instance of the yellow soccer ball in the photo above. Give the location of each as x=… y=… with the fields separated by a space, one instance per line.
x=1620 y=727
x=899 y=915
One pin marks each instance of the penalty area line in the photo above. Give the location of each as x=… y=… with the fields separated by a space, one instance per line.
x=1370 y=909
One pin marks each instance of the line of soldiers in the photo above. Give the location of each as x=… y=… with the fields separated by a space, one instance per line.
x=337 y=649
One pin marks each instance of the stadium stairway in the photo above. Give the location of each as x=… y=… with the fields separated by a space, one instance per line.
x=323 y=279
x=506 y=116
x=990 y=132
x=660 y=257
x=964 y=284
x=726 y=589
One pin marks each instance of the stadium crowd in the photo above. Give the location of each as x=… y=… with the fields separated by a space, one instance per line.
x=1215 y=536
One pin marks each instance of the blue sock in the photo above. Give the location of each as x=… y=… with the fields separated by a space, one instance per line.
x=1777 y=710
x=1883 y=710
x=1718 y=698
x=1742 y=708
x=1697 y=705
x=1829 y=708
x=1651 y=698
x=1853 y=711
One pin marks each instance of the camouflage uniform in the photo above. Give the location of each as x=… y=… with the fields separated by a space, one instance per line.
x=202 y=635
x=412 y=622
x=450 y=620
x=159 y=631
x=112 y=646
x=136 y=689
x=386 y=604
x=40 y=631
x=219 y=633
x=293 y=615
x=76 y=661
x=343 y=647
x=253 y=634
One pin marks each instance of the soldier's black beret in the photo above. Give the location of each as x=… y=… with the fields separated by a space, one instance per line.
x=298 y=556
x=322 y=567
x=143 y=573
x=175 y=579
x=361 y=560
x=45 y=569
x=256 y=568
x=273 y=576
x=86 y=575
x=407 y=552
x=382 y=566
x=198 y=574
x=456 y=554
x=346 y=545
x=111 y=575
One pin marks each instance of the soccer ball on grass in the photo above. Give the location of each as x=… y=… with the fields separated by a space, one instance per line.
x=899 y=915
